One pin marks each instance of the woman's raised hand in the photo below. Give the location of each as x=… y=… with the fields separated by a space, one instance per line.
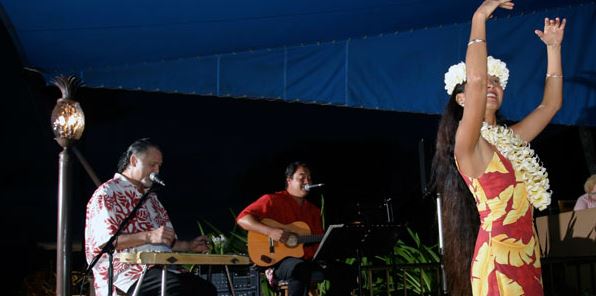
x=553 y=31
x=487 y=7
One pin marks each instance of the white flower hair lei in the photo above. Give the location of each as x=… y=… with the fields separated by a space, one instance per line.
x=457 y=73
x=523 y=159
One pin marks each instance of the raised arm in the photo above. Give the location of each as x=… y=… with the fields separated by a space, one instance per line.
x=468 y=132
x=536 y=121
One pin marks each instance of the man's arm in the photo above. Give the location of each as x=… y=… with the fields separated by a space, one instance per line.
x=163 y=235
x=198 y=245
x=250 y=223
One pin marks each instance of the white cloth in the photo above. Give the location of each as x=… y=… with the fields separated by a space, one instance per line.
x=110 y=204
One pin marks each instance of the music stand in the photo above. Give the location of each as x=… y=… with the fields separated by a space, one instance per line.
x=357 y=240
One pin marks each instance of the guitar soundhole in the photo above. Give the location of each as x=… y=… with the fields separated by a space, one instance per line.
x=266 y=259
x=292 y=240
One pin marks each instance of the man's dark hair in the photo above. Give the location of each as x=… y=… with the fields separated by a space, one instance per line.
x=137 y=147
x=292 y=167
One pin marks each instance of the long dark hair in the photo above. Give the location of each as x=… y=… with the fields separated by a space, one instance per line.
x=138 y=146
x=459 y=213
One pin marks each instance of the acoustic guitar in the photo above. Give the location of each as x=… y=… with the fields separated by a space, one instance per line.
x=263 y=251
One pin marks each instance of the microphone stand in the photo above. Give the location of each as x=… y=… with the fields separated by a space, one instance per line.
x=109 y=247
x=441 y=245
x=425 y=194
x=388 y=203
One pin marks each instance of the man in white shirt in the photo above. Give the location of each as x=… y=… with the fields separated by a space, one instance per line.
x=149 y=230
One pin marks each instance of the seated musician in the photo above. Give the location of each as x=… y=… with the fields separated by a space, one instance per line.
x=149 y=230
x=287 y=207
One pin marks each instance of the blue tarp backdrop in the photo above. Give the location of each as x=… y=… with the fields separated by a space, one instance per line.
x=388 y=55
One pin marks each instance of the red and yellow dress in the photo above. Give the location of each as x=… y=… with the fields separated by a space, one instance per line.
x=506 y=256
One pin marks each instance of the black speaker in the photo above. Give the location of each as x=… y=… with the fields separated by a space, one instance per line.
x=244 y=279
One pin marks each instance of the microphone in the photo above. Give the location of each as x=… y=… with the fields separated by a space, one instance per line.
x=156 y=179
x=308 y=187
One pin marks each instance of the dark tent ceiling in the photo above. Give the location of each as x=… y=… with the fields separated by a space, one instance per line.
x=376 y=54
x=75 y=35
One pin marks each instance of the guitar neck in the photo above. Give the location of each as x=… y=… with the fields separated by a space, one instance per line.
x=309 y=239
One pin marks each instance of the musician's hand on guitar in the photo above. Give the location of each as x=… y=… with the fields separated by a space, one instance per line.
x=278 y=235
x=200 y=244
x=285 y=236
x=163 y=235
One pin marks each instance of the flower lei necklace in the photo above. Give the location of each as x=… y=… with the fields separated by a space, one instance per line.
x=523 y=159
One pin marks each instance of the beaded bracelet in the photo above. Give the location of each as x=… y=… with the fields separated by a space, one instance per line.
x=549 y=75
x=476 y=41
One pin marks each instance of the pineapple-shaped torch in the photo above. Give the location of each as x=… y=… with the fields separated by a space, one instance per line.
x=68 y=119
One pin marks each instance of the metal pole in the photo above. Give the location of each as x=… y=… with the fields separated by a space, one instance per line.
x=64 y=244
x=441 y=244
x=440 y=223
x=86 y=166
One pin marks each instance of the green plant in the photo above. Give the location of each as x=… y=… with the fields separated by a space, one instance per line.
x=415 y=278
x=406 y=269
x=233 y=242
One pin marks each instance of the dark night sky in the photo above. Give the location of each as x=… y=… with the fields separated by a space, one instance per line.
x=222 y=153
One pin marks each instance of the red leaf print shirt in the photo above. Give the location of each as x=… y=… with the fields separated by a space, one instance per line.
x=110 y=204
